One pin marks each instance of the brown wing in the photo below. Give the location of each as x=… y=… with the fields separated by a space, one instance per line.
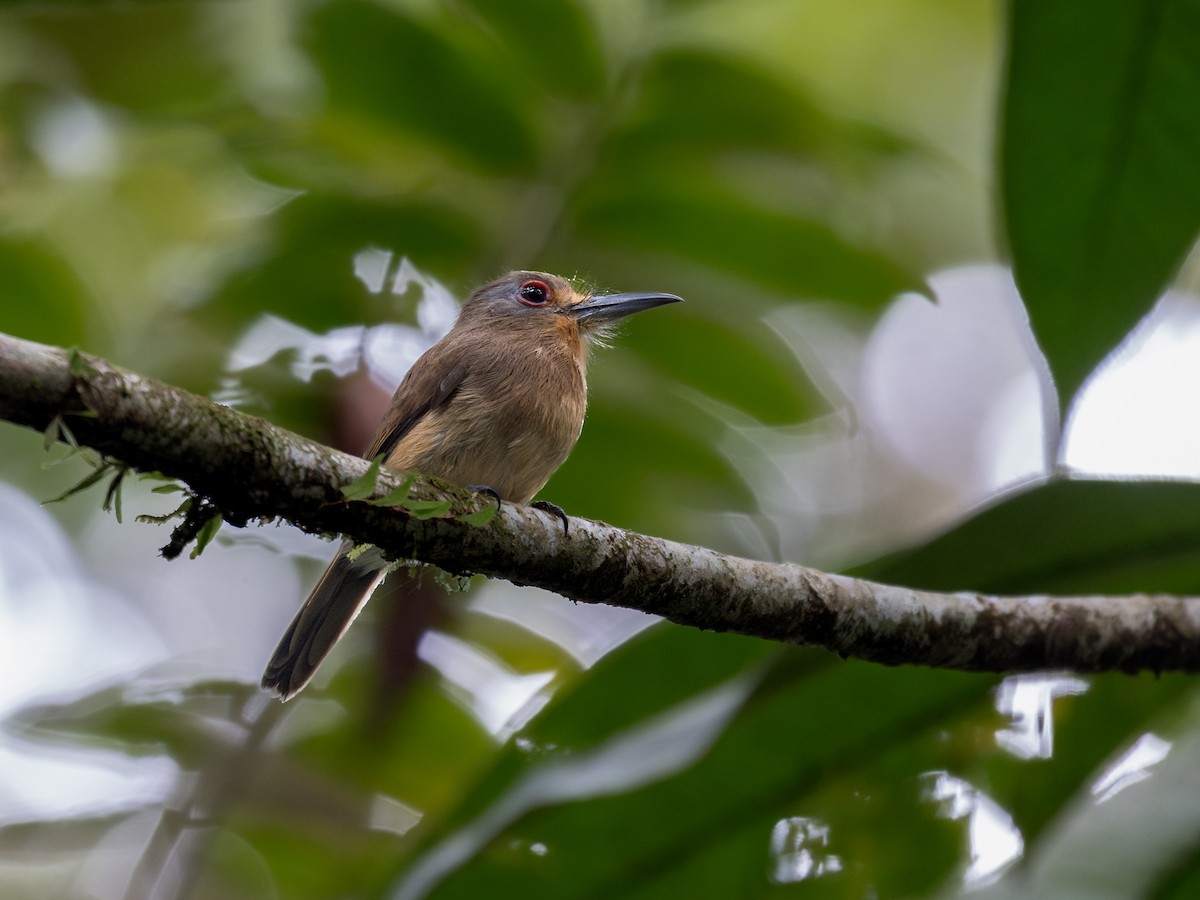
x=429 y=384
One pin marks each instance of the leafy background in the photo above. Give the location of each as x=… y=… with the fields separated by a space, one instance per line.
x=172 y=173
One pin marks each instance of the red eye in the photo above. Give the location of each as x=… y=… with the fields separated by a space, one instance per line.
x=534 y=293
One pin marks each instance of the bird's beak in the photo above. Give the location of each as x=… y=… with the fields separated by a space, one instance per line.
x=607 y=307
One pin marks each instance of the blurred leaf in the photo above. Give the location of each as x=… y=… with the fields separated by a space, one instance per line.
x=660 y=438
x=237 y=869
x=1127 y=836
x=112 y=47
x=745 y=106
x=623 y=688
x=738 y=362
x=318 y=865
x=555 y=41
x=1065 y=537
x=1101 y=189
x=655 y=464
x=308 y=277
x=792 y=732
x=380 y=62
x=1085 y=731
x=685 y=216
x=182 y=731
x=42 y=299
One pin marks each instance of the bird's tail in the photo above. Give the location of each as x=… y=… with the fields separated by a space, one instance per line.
x=339 y=596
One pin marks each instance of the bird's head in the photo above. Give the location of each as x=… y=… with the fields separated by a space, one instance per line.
x=541 y=299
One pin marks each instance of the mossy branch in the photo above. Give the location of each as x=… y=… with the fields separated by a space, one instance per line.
x=246 y=468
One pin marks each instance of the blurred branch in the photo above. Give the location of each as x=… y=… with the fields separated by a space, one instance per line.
x=164 y=870
x=250 y=469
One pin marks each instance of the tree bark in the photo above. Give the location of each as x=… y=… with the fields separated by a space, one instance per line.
x=250 y=469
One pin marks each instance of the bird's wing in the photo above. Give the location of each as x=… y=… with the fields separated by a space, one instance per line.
x=429 y=384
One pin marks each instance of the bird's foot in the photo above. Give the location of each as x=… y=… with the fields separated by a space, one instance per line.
x=490 y=491
x=554 y=510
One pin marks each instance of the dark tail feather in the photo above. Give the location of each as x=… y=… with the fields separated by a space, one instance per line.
x=341 y=593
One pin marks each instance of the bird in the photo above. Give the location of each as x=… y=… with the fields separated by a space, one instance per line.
x=496 y=405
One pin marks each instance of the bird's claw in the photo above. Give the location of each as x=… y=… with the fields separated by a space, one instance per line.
x=490 y=491
x=555 y=510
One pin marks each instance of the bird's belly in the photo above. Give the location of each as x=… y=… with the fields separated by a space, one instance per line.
x=514 y=451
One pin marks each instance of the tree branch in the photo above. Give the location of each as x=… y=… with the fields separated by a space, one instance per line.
x=250 y=469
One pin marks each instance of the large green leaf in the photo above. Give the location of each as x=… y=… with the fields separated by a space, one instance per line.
x=40 y=298
x=732 y=358
x=746 y=107
x=111 y=48
x=1084 y=733
x=684 y=214
x=664 y=784
x=554 y=41
x=1101 y=133
x=406 y=74
x=1133 y=832
x=1065 y=537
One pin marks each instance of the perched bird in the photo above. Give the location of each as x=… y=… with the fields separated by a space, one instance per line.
x=497 y=404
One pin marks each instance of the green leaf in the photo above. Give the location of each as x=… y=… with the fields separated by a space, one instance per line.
x=112 y=497
x=684 y=462
x=739 y=757
x=306 y=277
x=45 y=302
x=1127 y=835
x=1114 y=711
x=414 y=77
x=1065 y=537
x=167 y=489
x=397 y=496
x=567 y=58
x=363 y=486
x=746 y=106
x=623 y=688
x=77 y=363
x=482 y=516
x=51 y=435
x=684 y=214
x=767 y=383
x=207 y=532
x=1098 y=164
x=93 y=478
x=427 y=509
x=109 y=46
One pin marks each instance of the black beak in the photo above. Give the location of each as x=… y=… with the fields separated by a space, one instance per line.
x=607 y=307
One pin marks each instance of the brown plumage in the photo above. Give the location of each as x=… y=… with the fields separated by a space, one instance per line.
x=499 y=401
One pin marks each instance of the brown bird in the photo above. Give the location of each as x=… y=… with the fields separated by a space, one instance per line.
x=497 y=404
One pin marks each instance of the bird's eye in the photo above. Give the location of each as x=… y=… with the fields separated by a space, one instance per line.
x=534 y=293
